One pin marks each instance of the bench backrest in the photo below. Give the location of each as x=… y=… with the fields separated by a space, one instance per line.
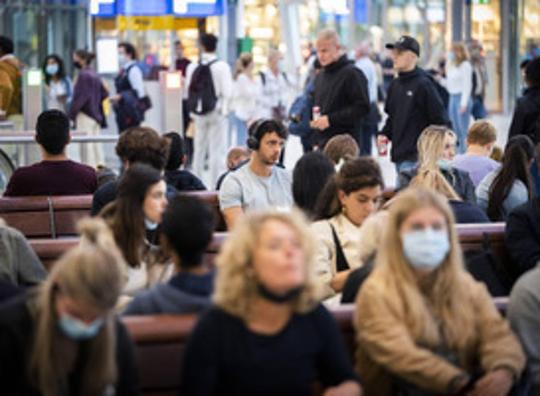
x=45 y=217
x=212 y=198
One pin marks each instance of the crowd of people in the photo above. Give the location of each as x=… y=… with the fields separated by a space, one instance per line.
x=299 y=242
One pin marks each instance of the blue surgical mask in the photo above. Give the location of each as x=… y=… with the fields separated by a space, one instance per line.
x=78 y=330
x=444 y=164
x=450 y=56
x=51 y=69
x=150 y=225
x=427 y=248
x=122 y=60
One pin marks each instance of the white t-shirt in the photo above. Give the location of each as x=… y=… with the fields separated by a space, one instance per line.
x=246 y=94
x=56 y=89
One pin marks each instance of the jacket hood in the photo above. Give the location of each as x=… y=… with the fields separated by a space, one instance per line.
x=11 y=60
x=337 y=65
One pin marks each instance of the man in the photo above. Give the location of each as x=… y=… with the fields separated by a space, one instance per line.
x=208 y=105
x=182 y=62
x=56 y=174
x=181 y=65
x=341 y=92
x=129 y=89
x=412 y=104
x=10 y=80
x=275 y=86
x=181 y=179
x=370 y=122
x=260 y=183
x=135 y=145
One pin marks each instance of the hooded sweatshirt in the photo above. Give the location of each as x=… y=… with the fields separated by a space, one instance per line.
x=10 y=85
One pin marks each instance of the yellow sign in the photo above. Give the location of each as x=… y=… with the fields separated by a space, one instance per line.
x=167 y=22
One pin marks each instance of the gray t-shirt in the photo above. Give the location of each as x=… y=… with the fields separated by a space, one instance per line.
x=245 y=189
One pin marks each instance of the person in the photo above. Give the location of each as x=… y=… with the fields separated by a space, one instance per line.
x=180 y=179
x=19 y=264
x=187 y=227
x=310 y=175
x=130 y=91
x=57 y=84
x=267 y=335
x=341 y=148
x=64 y=338
x=134 y=218
x=246 y=95
x=371 y=121
x=260 y=183
x=236 y=157
x=136 y=145
x=509 y=186
x=181 y=65
x=181 y=62
x=480 y=80
x=387 y=64
x=522 y=236
x=56 y=174
x=481 y=139
x=10 y=81
x=524 y=315
x=211 y=122
x=459 y=76
x=424 y=325
x=436 y=149
x=274 y=88
x=341 y=92
x=86 y=108
x=347 y=200
x=412 y=104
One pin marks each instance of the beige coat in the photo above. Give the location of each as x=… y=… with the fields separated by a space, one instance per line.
x=385 y=346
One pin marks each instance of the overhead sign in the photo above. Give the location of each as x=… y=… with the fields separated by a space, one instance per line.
x=103 y=8
x=194 y=8
x=180 y=8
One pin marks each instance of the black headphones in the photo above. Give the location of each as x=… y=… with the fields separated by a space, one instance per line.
x=254 y=132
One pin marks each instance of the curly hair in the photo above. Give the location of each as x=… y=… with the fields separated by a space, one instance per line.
x=144 y=145
x=235 y=288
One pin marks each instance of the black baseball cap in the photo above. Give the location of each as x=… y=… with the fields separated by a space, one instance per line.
x=405 y=43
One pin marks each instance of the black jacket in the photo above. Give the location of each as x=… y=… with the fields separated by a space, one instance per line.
x=526 y=115
x=17 y=331
x=468 y=213
x=459 y=180
x=412 y=104
x=341 y=92
x=522 y=235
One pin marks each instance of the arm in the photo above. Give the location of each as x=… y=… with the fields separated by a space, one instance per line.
x=467 y=71
x=432 y=102
x=6 y=91
x=522 y=240
x=385 y=339
x=324 y=257
x=136 y=80
x=387 y=129
x=230 y=200
x=30 y=271
x=517 y=127
x=356 y=92
x=81 y=94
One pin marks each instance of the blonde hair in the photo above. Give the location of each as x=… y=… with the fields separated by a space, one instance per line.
x=242 y=63
x=235 y=285
x=341 y=147
x=481 y=132
x=447 y=294
x=92 y=273
x=460 y=52
x=430 y=149
x=328 y=35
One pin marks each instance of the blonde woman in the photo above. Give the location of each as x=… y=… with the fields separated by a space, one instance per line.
x=459 y=74
x=424 y=326
x=64 y=339
x=267 y=335
x=246 y=94
x=436 y=150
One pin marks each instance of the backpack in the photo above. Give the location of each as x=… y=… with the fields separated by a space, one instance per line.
x=202 y=98
x=143 y=104
x=300 y=113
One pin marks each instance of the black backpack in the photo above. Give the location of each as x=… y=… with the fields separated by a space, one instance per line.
x=202 y=98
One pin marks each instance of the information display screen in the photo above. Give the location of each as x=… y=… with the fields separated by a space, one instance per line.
x=180 y=8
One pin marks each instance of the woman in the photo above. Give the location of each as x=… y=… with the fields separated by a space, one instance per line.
x=64 y=339
x=349 y=197
x=509 y=186
x=310 y=174
x=57 y=84
x=134 y=218
x=459 y=85
x=86 y=108
x=436 y=150
x=246 y=93
x=424 y=326
x=266 y=335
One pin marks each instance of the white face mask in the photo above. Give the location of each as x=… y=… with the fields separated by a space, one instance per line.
x=150 y=225
x=122 y=60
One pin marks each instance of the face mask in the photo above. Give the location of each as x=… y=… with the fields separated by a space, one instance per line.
x=122 y=60
x=51 y=70
x=150 y=225
x=425 y=248
x=450 y=57
x=77 y=65
x=284 y=298
x=444 y=164
x=281 y=65
x=78 y=330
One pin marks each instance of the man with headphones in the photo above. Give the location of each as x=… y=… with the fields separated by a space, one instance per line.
x=259 y=184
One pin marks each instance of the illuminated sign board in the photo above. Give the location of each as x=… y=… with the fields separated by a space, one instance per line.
x=103 y=8
x=180 y=8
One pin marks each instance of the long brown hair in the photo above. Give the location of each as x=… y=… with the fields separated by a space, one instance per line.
x=92 y=273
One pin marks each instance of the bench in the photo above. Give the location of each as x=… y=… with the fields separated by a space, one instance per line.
x=212 y=198
x=45 y=217
x=160 y=341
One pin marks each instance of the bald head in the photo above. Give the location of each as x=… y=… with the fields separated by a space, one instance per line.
x=363 y=49
x=328 y=47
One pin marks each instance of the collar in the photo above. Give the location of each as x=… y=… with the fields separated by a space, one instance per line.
x=200 y=285
x=7 y=56
x=128 y=64
x=343 y=221
x=208 y=57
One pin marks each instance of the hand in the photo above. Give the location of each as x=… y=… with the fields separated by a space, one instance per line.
x=462 y=109
x=321 y=123
x=338 y=281
x=115 y=98
x=347 y=388
x=2 y=115
x=494 y=383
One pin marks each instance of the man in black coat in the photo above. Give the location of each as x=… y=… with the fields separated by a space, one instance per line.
x=526 y=119
x=412 y=104
x=341 y=92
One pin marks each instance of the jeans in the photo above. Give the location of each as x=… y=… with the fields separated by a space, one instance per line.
x=460 y=121
x=401 y=167
x=240 y=127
